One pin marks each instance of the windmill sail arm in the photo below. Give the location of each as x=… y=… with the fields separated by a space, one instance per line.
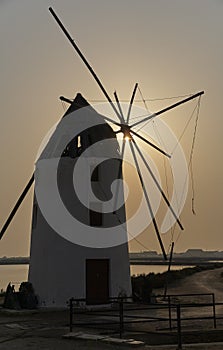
x=158 y=185
x=168 y=270
x=119 y=176
x=119 y=106
x=131 y=103
x=148 y=202
x=84 y=60
x=17 y=205
x=168 y=108
x=150 y=143
x=62 y=98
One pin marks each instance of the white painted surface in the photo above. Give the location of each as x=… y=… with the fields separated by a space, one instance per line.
x=57 y=266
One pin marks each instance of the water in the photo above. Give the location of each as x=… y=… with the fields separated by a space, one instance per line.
x=14 y=274
x=19 y=273
x=146 y=269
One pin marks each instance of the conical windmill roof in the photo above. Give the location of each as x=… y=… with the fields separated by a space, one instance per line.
x=93 y=128
x=78 y=102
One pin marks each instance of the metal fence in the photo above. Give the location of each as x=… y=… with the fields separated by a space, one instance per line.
x=123 y=312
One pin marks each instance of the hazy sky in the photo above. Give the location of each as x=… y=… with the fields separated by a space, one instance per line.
x=170 y=47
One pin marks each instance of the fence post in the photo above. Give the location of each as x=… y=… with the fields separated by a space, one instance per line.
x=71 y=314
x=121 y=318
x=214 y=311
x=179 y=338
x=170 y=316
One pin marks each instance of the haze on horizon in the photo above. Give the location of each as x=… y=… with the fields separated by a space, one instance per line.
x=170 y=48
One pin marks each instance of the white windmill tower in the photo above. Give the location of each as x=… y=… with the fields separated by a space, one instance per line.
x=60 y=269
x=61 y=264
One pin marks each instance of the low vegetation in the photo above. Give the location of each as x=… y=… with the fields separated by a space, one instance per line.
x=143 y=285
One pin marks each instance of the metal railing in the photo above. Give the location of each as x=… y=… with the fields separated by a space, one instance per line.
x=122 y=313
x=211 y=304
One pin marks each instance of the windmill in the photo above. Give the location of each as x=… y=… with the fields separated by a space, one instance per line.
x=56 y=281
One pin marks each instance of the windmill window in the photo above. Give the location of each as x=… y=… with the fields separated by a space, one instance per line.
x=79 y=141
x=95 y=173
x=96 y=215
x=95 y=218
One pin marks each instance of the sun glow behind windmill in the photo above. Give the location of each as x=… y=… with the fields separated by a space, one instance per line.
x=126 y=128
x=129 y=135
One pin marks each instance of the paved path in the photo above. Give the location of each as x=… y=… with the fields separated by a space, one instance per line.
x=44 y=330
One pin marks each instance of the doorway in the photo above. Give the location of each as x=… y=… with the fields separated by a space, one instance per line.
x=97 y=281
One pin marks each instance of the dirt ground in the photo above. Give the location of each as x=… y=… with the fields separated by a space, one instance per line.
x=43 y=329
x=209 y=281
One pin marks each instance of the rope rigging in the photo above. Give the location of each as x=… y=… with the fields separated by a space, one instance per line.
x=191 y=156
x=146 y=100
x=164 y=158
x=190 y=164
